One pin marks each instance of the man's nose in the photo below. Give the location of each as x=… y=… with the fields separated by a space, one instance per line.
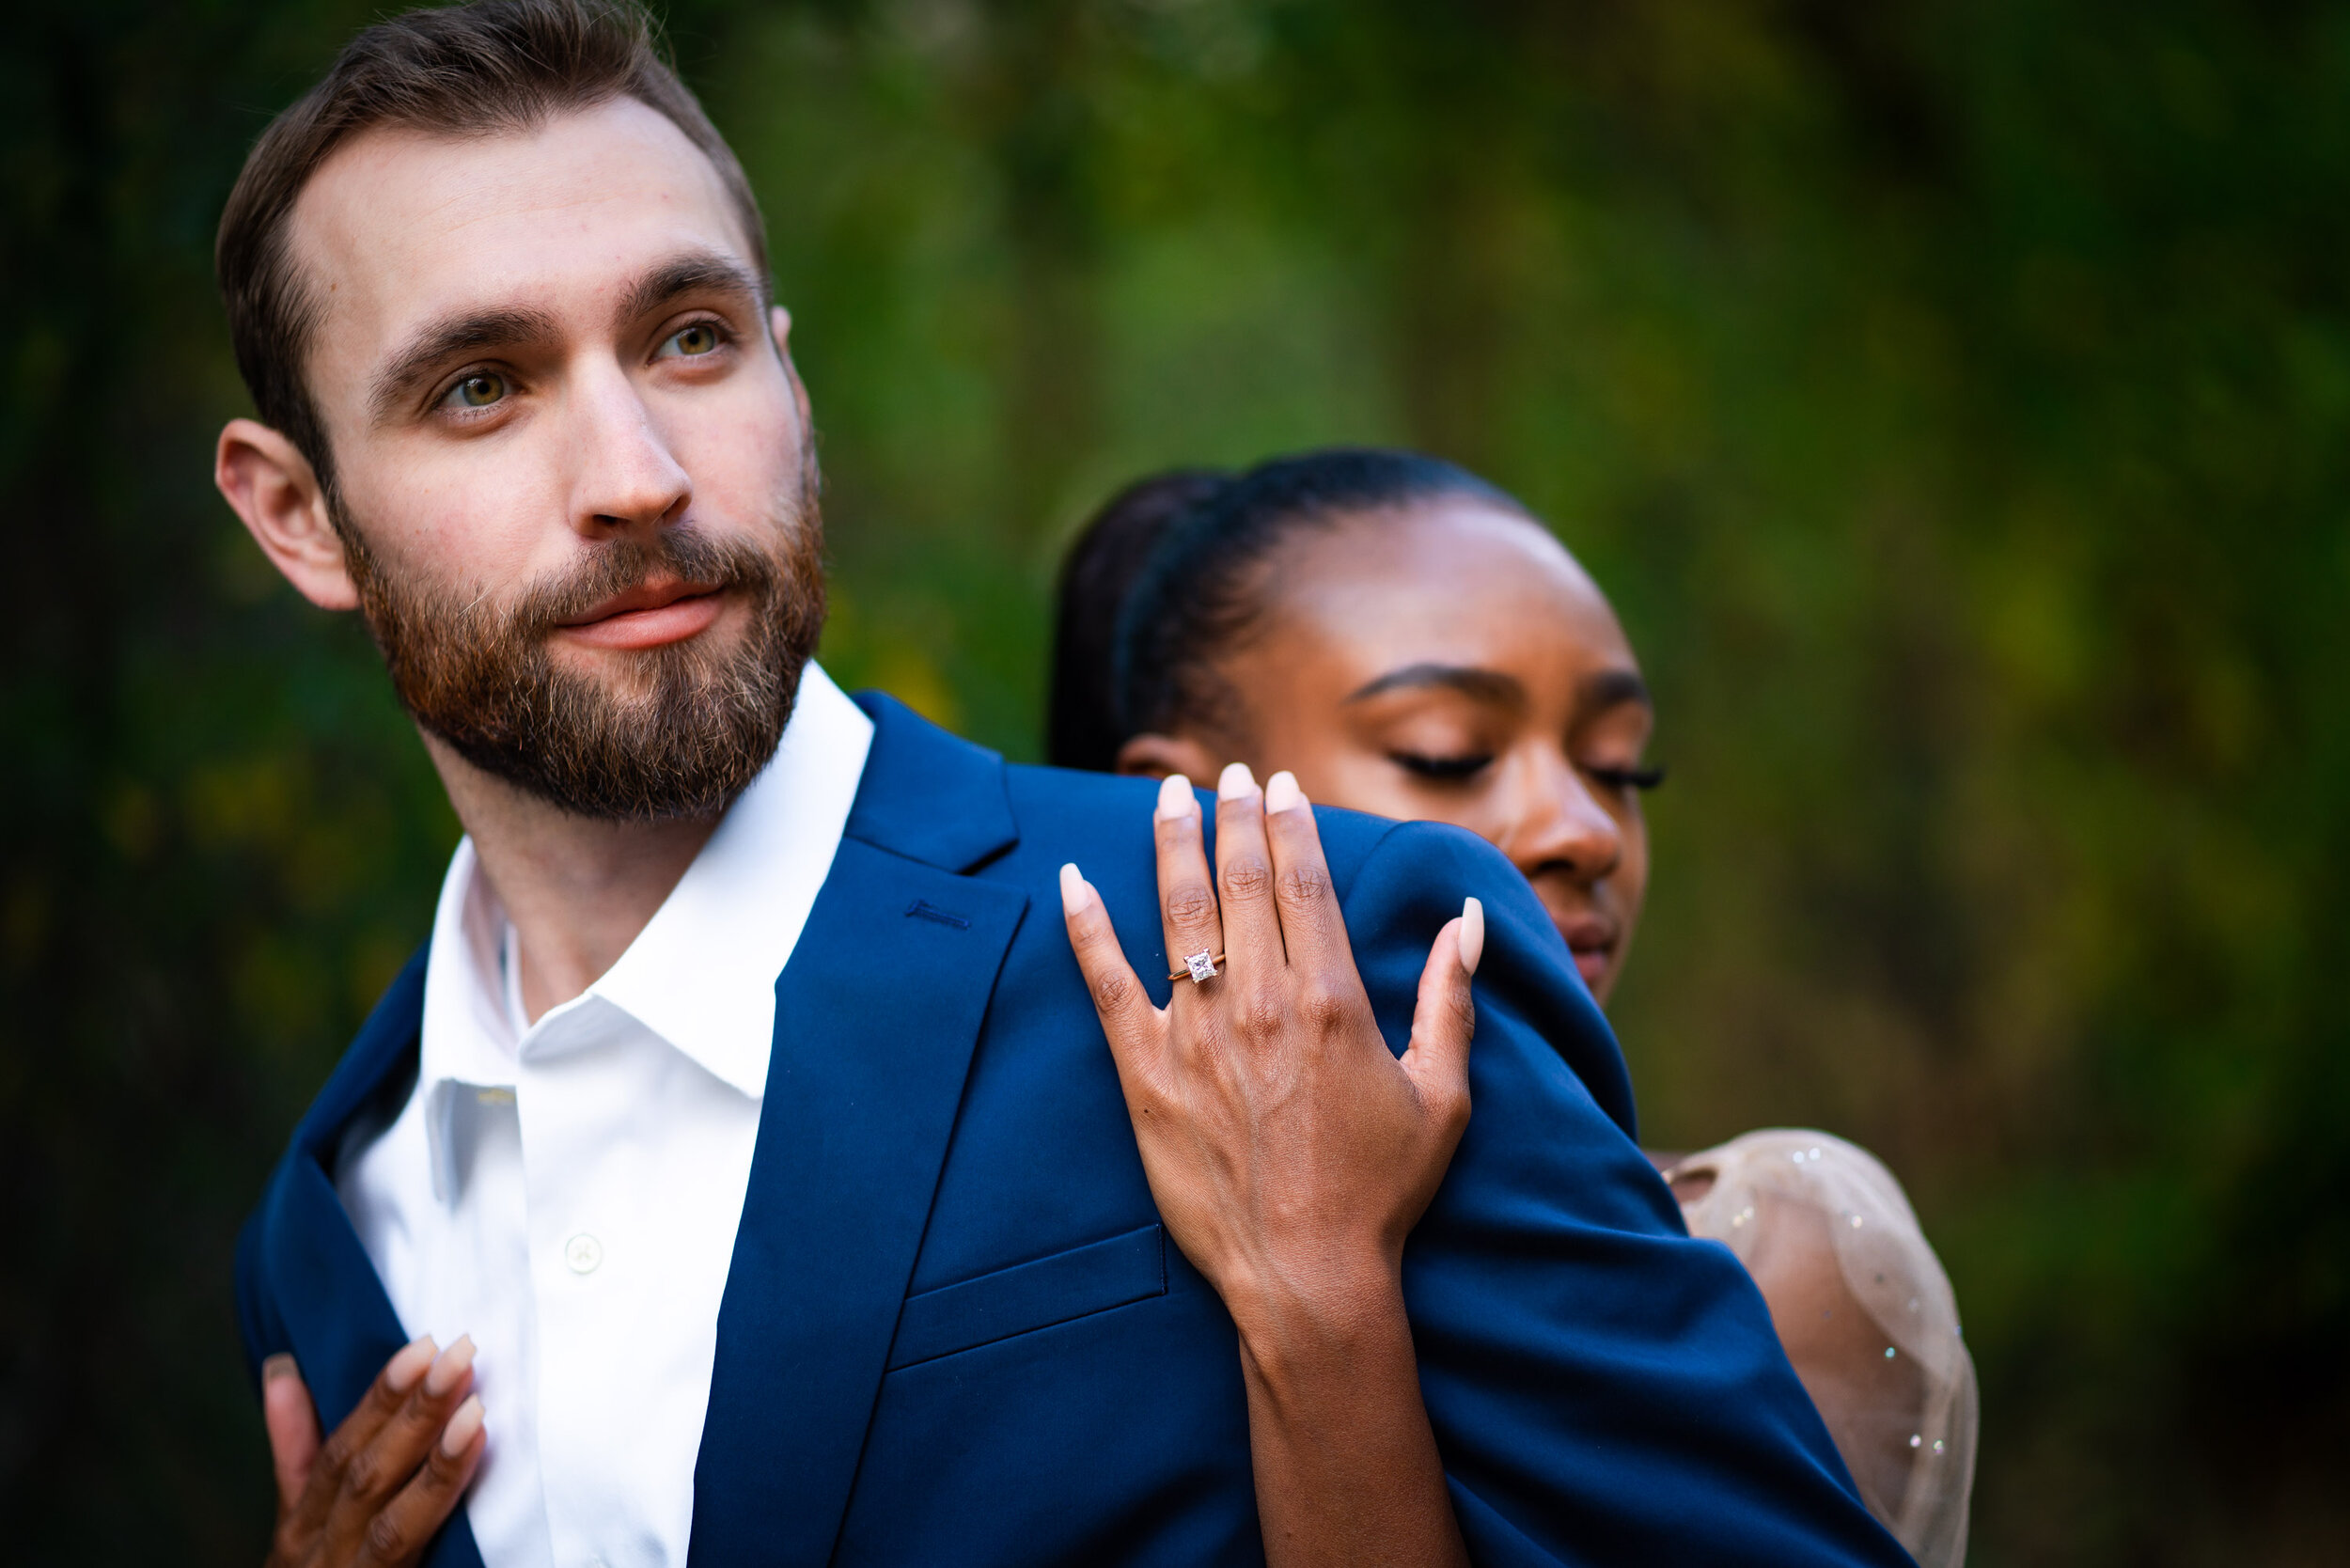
x=1560 y=823
x=628 y=477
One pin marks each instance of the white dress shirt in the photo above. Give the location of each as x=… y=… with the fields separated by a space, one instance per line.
x=567 y=1191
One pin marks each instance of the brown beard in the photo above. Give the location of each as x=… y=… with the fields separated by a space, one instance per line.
x=690 y=729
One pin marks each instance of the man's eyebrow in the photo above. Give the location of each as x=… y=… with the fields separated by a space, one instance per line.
x=1486 y=685
x=405 y=375
x=1612 y=688
x=694 y=273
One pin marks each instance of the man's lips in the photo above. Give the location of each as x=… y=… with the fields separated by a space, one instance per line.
x=650 y=615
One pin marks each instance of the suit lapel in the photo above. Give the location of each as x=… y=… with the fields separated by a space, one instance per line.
x=332 y=1306
x=877 y=1017
x=875 y=1020
x=337 y=1319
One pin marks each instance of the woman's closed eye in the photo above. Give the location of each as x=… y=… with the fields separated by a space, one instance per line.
x=1624 y=779
x=1455 y=769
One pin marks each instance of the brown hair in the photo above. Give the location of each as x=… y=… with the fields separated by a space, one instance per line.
x=466 y=69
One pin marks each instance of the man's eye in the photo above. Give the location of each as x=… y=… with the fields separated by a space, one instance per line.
x=695 y=342
x=1442 y=769
x=479 y=390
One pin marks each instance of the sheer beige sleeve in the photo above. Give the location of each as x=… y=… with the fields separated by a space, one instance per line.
x=1865 y=1313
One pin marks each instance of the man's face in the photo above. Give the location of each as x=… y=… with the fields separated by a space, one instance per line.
x=569 y=459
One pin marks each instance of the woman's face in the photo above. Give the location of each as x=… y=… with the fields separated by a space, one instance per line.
x=1453 y=663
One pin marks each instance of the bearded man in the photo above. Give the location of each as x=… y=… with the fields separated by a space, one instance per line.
x=738 y=1174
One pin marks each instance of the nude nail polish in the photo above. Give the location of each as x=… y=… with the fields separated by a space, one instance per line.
x=1237 y=783
x=1281 y=792
x=452 y=1364
x=401 y=1372
x=1472 y=933
x=1074 y=892
x=1174 y=797
x=461 y=1426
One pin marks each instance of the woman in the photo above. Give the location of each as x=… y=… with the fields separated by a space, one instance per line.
x=1406 y=639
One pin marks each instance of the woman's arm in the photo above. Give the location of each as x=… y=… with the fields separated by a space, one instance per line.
x=1289 y=1154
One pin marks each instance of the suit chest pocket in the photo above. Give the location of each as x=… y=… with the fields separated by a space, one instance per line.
x=1032 y=1295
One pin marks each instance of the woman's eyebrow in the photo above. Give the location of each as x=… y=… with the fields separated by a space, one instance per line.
x=1612 y=688
x=1486 y=685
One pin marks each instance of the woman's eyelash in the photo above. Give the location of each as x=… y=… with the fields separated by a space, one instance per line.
x=1448 y=769
x=1454 y=769
x=1629 y=778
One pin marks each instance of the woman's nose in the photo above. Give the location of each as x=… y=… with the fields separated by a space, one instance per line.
x=1562 y=825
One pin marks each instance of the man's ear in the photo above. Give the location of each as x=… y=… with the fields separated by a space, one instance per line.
x=1155 y=755
x=779 y=323
x=273 y=488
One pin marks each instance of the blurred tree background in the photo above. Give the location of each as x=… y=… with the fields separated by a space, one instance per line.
x=1952 y=396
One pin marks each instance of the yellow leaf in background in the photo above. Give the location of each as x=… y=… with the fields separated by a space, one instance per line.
x=914 y=678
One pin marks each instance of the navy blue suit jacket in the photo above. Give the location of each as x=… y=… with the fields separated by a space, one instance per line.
x=954 y=1331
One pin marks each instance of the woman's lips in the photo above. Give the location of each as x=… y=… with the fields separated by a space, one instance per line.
x=1593 y=941
x=648 y=616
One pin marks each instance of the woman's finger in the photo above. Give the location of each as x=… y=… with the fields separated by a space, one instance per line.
x=1312 y=926
x=402 y=1529
x=1187 y=910
x=1445 y=1018
x=1133 y=1025
x=1243 y=880
x=383 y=1401
x=293 y=1419
x=385 y=1469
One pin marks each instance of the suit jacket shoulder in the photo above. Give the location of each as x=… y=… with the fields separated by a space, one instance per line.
x=1602 y=1388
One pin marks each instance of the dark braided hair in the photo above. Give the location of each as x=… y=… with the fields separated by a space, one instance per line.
x=1169 y=576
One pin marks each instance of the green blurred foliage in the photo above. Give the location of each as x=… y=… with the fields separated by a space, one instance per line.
x=1951 y=396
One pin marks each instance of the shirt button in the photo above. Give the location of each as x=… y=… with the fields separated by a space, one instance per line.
x=584 y=1253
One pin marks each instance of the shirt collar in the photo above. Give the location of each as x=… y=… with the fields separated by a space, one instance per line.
x=701 y=975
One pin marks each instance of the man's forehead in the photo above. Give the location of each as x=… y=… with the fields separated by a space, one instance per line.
x=401 y=225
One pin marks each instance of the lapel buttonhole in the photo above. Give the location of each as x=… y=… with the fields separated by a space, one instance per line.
x=922 y=909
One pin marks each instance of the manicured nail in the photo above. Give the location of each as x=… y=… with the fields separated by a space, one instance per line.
x=461 y=1426
x=452 y=1364
x=1237 y=783
x=1472 y=933
x=401 y=1372
x=1074 y=892
x=1175 y=801
x=277 y=1366
x=1281 y=792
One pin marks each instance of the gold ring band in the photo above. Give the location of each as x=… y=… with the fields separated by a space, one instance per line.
x=1198 y=968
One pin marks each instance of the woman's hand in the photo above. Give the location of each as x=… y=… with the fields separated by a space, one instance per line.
x=377 y=1491
x=1289 y=1154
